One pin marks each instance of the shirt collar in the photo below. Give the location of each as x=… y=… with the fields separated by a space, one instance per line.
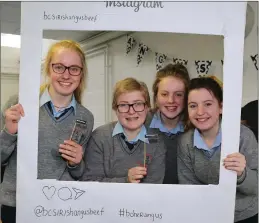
x=157 y=123
x=199 y=143
x=118 y=129
x=45 y=98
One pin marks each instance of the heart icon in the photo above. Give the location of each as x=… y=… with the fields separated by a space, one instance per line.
x=48 y=191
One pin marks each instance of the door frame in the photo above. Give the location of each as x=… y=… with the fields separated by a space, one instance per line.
x=103 y=49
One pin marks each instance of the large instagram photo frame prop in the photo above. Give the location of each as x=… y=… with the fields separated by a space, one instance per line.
x=61 y=201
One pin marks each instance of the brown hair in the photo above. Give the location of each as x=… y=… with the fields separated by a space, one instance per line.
x=129 y=85
x=177 y=70
x=67 y=44
x=211 y=85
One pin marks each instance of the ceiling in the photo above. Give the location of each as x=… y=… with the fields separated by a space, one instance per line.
x=10 y=17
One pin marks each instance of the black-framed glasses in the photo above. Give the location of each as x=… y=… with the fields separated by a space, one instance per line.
x=137 y=107
x=60 y=69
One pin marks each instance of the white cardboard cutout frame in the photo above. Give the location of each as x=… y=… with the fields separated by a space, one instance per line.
x=177 y=203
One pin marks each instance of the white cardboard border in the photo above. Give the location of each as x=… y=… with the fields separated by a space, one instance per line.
x=177 y=203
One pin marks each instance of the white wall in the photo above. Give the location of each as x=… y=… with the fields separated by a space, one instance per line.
x=250 y=79
x=9 y=86
x=9 y=73
x=190 y=47
x=182 y=46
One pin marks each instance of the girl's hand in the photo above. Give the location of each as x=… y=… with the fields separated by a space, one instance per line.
x=12 y=117
x=235 y=162
x=135 y=174
x=72 y=152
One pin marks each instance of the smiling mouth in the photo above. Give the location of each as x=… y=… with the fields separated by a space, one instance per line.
x=171 y=108
x=202 y=120
x=132 y=119
x=65 y=84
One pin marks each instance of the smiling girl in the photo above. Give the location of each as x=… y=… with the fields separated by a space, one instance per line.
x=199 y=149
x=169 y=95
x=120 y=151
x=59 y=157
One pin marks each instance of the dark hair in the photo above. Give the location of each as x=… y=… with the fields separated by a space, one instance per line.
x=170 y=70
x=210 y=85
x=249 y=113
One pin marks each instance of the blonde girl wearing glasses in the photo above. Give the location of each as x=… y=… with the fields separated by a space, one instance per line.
x=59 y=156
x=123 y=151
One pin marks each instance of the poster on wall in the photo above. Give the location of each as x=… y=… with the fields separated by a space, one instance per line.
x=51 y=200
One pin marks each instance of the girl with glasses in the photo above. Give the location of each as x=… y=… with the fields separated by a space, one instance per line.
x=123 y=151
x=167 y=117
x=200 y=149
x=60 y=153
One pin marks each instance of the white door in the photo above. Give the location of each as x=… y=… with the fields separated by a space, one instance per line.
x=94 y=96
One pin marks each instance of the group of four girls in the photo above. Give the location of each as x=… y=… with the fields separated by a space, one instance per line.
x=178 y=141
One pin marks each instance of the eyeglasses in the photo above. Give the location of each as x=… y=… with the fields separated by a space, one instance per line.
x=60 y=69
x=137 y=107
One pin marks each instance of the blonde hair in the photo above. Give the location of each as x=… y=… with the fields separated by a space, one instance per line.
x=129 y=85
x=66 y=44
x=217 y=80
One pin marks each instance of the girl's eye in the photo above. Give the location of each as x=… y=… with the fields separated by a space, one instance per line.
x=179 y=95
x=74 y=69
x=191 y=106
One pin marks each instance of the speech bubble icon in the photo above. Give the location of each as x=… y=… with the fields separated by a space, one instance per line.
x=64 y=193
